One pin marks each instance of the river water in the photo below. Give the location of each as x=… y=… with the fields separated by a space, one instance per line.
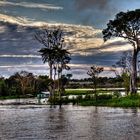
x=34 y=122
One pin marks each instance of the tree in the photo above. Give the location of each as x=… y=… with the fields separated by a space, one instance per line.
x=125 y=63
x=3 y=87
x=50 y=39
x=26 y=81
x=126 y=82
x=94 y=73
x=62 y=58
x=43 y=82
x=126 y=26
x=54 y=53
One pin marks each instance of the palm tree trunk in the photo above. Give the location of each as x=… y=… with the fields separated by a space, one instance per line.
x=133 y=89
x=59 y=92
x=50 y=71
x=51 y=86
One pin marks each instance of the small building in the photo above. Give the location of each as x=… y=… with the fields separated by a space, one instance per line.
x=43 y=97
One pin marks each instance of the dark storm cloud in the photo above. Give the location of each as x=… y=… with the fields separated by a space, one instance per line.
x=85 y=4
x=16 y=39
x=105 y=59
x=4 y=61
x=95 y=12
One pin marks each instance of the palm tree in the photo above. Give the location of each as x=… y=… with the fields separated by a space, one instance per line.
x=48 y=56
x=50 y=39
x=62 y=58
x=54 y=53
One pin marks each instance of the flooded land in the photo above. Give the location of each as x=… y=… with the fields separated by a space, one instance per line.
x=35 y=122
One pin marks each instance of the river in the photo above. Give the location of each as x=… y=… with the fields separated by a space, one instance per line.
x=40 y=122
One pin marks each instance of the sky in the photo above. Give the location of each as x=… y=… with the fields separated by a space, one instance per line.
x=82 y=20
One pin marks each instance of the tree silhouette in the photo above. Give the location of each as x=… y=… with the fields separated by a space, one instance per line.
x=50 y=39
x=93 y=73
x=126 y=25
x=54 y=53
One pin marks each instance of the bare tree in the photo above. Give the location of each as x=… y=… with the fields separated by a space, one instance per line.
x=26 y=80
x=94 y=73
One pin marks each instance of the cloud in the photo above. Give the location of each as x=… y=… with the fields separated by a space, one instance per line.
x=14 y=20
x=31 y=5
x=21 y=56
x=82 y=4
x=19 y=49
x=81 y=40
x=18 y=30
x=95 y=12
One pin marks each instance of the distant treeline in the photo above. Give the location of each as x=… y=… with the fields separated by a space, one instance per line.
x=25 y=84
x=102 y=82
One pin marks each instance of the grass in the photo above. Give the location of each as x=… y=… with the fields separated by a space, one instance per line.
x=82 y=91
x=128 y=101
x=77 y=92
x=90 y=100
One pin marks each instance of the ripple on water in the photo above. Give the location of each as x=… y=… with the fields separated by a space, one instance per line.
x=36 y=122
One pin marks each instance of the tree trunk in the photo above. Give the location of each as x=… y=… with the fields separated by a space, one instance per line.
x=59 y=89
x=50 y=71
x=133 y=83
x=51 y=86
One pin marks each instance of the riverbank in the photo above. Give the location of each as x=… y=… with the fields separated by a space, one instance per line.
x=82 y=98
x=127 y=101
x=19 y=101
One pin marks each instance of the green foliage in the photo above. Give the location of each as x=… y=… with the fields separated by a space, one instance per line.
x=128 y=101
x=126 y=82
x=87 y=97
x=3 y=88
x=15 y=84
x=116 y=94
x=76 y=92
x=93 y=72
x=79 y=97
x=126 y=26
x=104 y=97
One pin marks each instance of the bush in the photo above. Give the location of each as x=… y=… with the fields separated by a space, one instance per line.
x=65 y=100
x=116 y=94
x=79 y=97
x=104 y=97
x=87 y=97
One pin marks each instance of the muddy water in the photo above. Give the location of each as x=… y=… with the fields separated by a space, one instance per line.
x=33 y=122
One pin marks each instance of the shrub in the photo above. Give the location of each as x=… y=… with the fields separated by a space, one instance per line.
x=104 y=97
x=87 y=97
x=79 y=97
x=116 y=94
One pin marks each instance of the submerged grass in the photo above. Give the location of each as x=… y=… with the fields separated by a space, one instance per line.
x=128 y=101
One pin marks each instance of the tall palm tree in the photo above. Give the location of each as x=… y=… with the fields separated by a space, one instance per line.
x=48 y=56
x=50 y=39
x=62 y=58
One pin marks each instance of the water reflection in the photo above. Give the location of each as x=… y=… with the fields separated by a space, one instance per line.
x=68 y=123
